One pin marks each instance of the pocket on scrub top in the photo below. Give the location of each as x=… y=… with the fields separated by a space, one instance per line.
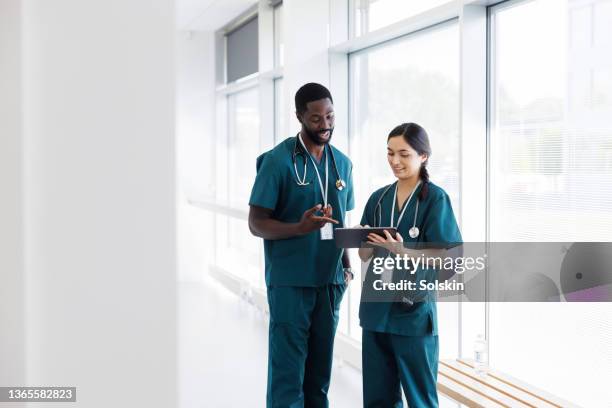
x=306 y=195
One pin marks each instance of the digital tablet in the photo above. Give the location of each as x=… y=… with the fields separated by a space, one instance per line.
x=355 y=237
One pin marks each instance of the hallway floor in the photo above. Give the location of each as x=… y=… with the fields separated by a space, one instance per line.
x=223 y=353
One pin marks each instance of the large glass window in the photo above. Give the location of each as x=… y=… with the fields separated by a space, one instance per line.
x=242 y=150
x=370 y=15
x=551 y=180
x=243 y=144
x=412 y=79
x=551 y=129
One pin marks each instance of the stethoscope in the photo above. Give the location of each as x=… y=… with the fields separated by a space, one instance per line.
x=298 y=149
x=414 y=231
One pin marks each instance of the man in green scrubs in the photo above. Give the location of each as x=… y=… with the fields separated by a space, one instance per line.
x=302 y=191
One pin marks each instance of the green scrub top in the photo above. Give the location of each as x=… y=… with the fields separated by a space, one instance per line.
x=305 y=260
x=436 y=223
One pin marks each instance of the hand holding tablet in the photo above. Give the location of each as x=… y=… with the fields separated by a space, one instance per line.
x=355 y=237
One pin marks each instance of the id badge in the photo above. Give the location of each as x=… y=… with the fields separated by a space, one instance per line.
x=327 y=231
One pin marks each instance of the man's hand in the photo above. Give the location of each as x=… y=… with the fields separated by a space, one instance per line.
x=311 y=222
x=328 y=211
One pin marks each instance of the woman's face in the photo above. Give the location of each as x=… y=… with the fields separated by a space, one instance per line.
x=404 y=161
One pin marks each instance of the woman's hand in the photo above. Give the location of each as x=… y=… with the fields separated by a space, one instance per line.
x=391 y=244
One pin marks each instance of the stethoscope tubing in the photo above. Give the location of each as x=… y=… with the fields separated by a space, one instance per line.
x=414 y=230
x=299 y=150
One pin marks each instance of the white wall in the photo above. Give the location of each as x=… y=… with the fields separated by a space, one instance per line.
x=12 y=361
x=99 y=191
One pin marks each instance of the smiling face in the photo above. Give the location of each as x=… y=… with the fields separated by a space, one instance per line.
x=405 y=162
x=318 y=120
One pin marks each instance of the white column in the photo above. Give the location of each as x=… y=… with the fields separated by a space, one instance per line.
x=12 y=363
x=100 y=199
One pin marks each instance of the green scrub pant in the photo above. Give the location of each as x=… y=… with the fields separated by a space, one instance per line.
x=390 y=359
x=303 y=323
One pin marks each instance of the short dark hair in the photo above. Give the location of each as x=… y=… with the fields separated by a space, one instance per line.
x=309 y=93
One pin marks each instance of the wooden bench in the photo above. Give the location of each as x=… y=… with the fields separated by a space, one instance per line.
x=457 y=380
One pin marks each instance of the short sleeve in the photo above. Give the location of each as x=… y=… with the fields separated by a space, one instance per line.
x=441 y=225
x=350 y=196
x=265 y=190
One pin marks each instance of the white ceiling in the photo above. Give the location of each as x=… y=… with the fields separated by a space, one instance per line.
x=208 y=14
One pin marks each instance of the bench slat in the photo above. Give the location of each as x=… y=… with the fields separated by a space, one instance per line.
x=541 y=395
x=490 y=382
x=468 y=383
x=463 y=395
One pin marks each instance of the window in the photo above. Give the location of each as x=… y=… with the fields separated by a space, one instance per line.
x=551 y=180
x=370 y=15
x=412 y=79
x=242 y=151
x=242 y=51
x=551 y=140
x=243 y=144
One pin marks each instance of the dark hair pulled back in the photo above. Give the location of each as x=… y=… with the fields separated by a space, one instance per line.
x=418 y=139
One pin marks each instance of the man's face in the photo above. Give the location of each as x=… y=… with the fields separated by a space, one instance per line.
x=318 y=121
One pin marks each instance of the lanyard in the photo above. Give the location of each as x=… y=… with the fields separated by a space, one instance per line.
x=323 y=190
x=405 y=204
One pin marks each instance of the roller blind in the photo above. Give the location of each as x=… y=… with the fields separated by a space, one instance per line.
x=242 y=51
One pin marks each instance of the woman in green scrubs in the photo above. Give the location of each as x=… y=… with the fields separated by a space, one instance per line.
x=400 y=334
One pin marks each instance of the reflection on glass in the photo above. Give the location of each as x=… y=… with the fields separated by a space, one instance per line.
x=412 y=79
x=370 y=15
x=551 y=180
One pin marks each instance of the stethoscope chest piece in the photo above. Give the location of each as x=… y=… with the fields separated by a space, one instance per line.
x=340 y=184
x=413 y=232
